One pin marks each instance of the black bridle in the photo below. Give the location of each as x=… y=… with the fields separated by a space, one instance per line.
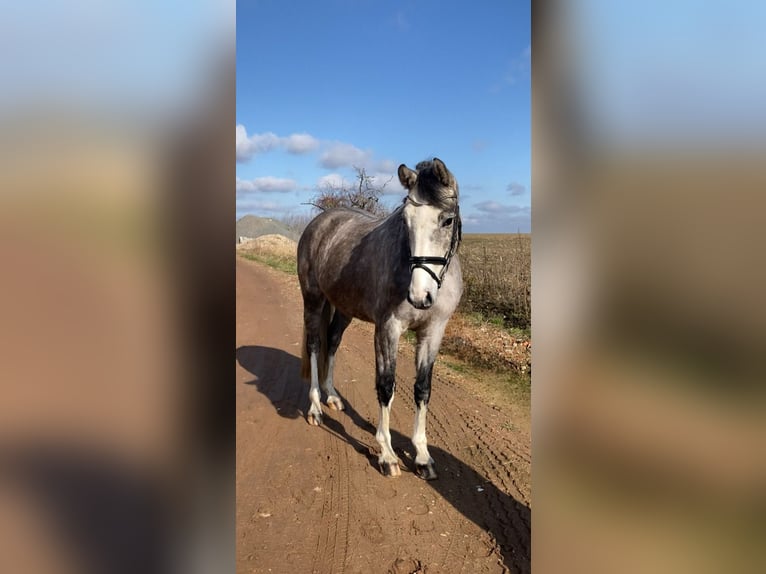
x=420 y=261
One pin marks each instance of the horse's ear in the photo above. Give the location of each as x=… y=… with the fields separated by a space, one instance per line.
x=407 y=177
x=441 y=171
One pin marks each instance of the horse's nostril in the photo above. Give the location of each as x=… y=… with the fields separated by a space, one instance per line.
x=424 y=303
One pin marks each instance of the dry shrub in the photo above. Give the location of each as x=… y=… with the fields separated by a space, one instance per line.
x=497 y=277
x=364 y=194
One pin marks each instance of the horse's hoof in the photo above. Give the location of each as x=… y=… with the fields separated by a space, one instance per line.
x=390 y=469
x=426 y=471
x=335 y=403
x=314 y=419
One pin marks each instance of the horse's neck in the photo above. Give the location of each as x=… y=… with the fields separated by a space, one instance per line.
x=390 y=238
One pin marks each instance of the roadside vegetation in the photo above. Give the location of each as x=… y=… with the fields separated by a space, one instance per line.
x=280 y=262
x=497 y=280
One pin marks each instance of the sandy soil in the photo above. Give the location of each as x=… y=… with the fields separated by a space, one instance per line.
x=311 y=499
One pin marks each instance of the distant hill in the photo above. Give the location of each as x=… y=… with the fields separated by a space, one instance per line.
x=253 y=226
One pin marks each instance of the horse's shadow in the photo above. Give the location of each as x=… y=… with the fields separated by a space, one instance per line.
x=510 y=526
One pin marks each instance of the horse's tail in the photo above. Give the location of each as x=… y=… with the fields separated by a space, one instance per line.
x=324 y=330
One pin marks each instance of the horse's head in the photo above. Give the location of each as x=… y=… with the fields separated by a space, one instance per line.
x=432 y=218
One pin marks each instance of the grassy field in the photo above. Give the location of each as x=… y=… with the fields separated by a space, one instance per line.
x=497 y=278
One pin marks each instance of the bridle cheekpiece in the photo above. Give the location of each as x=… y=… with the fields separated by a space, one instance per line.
x=420 y=261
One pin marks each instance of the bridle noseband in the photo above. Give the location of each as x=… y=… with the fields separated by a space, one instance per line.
x=419 y=261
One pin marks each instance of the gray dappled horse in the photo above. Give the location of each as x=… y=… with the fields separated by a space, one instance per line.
x=400 y=272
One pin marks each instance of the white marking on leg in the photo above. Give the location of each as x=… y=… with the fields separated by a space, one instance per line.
x=315 y=410
x=419 y=440
x=383 y=436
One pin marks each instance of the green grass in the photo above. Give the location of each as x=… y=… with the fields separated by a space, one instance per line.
x=455 y=366
x=410 y=337
x=285 y=264
x=516 y=386
x=508 y=425
x=510 y=384
x=479 y=318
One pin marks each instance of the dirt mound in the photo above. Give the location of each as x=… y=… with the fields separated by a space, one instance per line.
x=252 y=226
x=273 y=244
x=487 y=346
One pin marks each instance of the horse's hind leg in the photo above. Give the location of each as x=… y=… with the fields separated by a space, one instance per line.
x=428 y=343
x=386 y=344
x=312 y=317
x=334 y=336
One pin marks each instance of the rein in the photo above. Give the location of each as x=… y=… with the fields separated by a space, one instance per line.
x=419 y=261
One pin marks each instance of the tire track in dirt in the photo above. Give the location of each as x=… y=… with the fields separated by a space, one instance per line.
x=312 y=499
x=506 y=522
x=332 y=542
x=445 y=428
x=438 y=434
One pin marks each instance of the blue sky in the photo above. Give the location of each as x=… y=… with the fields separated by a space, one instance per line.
x=325 y=86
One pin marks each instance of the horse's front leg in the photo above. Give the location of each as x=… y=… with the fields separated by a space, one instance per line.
x=386 y=344
x=428 y=343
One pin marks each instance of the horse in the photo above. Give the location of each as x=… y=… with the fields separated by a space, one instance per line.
x=400 y=272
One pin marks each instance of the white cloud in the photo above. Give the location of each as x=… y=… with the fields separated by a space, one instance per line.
x=340 y=154
x=266 y=184
x=255 y=205
x=386 y=166
x=516 y=188
x=519 y=66
x=471 y=187
x=495 y=207
x=241 y=135
x=332 y=180
x=248 y=146
x=390 y=180
x=301 y=143
x=335 y=154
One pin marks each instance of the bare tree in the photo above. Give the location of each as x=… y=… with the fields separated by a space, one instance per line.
x=363 y=194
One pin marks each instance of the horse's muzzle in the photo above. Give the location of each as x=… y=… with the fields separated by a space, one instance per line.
x=418 y=304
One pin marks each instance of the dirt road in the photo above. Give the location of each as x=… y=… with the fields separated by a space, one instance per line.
x=311 y=499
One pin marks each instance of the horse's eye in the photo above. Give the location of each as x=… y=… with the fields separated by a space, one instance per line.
x=447 y=222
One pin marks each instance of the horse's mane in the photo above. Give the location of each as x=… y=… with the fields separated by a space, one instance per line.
x=432 y=190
